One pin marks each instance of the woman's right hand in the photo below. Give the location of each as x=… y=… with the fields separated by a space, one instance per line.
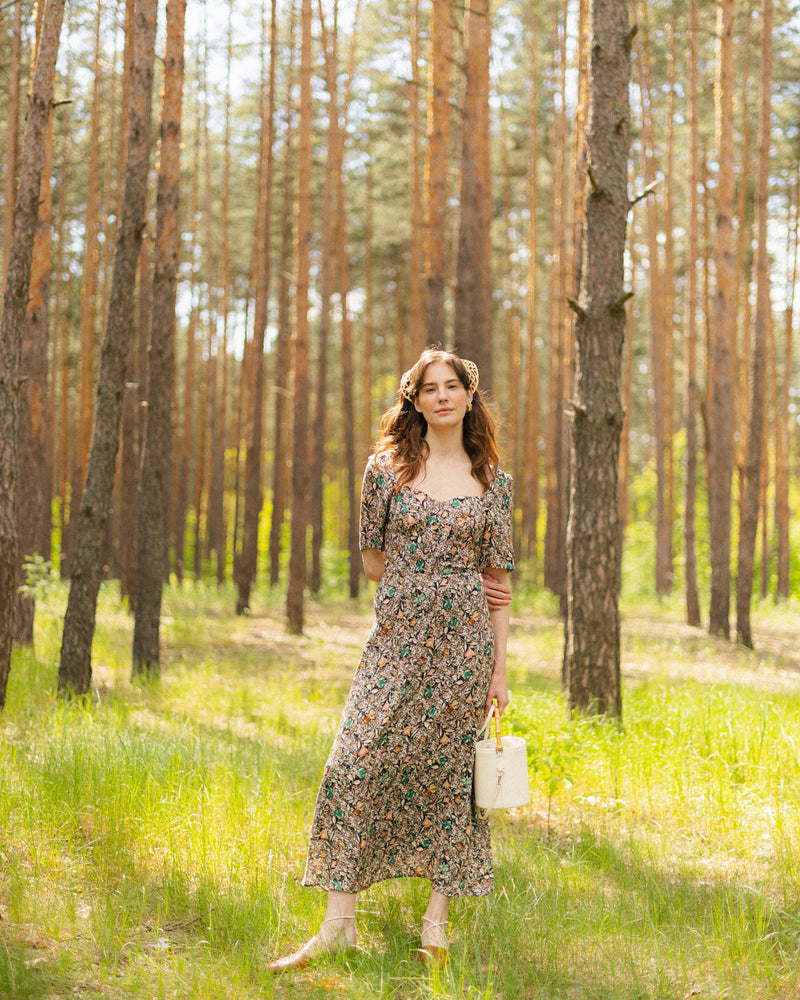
x=374 y=562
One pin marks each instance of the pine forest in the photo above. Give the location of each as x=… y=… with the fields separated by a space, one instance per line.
x=246 y=219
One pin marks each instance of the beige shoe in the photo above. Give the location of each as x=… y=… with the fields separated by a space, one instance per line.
x=434 y=951
x=324 y=942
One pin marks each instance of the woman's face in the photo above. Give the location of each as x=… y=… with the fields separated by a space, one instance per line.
x=442 y=399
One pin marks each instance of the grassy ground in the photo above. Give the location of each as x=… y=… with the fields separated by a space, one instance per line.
x=151 y=843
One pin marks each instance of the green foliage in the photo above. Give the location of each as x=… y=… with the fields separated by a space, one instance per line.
x=40 y=578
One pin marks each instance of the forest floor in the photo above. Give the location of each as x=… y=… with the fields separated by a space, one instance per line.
x=152 y=841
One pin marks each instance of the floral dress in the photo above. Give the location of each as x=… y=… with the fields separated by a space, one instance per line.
x=396 y=794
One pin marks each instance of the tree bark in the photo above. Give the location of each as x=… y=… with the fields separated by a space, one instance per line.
x=12 y=137
x=302 y=244
x=748 y=527
x=530 y=482
x=436 y=168
x=782 y=415
x=720 y=443
x=594 y=544
x=511 y=320
x=416 y=297
x=187 y=433
x=154 y=480
x=254 y=500
x=15 y=305
x=75 y=666
x=128 y=459
x=557 y=440
x=88 y=303
x=368 y=323
x=627 y=397
x=33 y=442
x=60 y=408
x=472 y=318
x=282 y=428
x=659 y=322
x=331 y=247
x=348 y=379
x=690 y=393
x=217 y=505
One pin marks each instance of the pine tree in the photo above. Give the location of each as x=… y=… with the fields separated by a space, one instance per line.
x=594 y=543
x=75 y=670
x=15 y=305
x=154 y=481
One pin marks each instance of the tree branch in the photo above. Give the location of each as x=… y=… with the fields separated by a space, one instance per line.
x=643 y=194
x=578 y=309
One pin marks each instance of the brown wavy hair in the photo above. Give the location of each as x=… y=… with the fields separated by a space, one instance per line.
x=403 y=429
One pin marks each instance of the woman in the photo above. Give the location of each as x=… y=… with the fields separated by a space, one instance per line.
x=396 y=795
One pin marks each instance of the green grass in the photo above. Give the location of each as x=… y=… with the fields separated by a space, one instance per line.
x=153 y=840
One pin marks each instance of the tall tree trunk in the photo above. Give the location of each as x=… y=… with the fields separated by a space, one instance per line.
x=74 y=672
x=594 y=543
x=204 y=519
x=572 y=261
x=12 y=136
x=511 y=319
x=154 y=480
x=557 y=468
x=255 y=423
x=436 y=169
x=348 y=408
x=59 y=411
x=659 y=321
x=742 y=278
x=690 y=393
x=472 y=315
x=667 y=571
x=769 y=362
x=368 y=323
x=782 y=415
x=88 y=301
x=530 y=482
x=331 y=244
x=218 y=463
x=282 y=428
x=748 y=527
x=416 y=297
x=187 y=435
x=128 y=459
x=720 y=442
x=134 y=408
x=302 y=242
x=15 y=305
x=33 y=445
x=627 y=397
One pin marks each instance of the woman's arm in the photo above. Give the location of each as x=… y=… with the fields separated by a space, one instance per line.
x=374 y=561
x=500 y=618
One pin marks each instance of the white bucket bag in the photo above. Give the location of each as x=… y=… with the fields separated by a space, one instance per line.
x=500 y=779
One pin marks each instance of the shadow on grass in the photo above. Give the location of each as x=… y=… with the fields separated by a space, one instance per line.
x=586 y=917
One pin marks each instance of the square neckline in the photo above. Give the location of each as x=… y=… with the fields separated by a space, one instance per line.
x=430 y=496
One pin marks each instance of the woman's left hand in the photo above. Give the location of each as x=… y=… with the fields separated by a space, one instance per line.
x=498 y=592
x=497 y=689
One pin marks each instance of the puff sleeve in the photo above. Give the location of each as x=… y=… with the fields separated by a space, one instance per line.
x=376 y=490
x=496 y=547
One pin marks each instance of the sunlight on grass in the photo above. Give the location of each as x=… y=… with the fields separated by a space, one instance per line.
x=152 y=841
